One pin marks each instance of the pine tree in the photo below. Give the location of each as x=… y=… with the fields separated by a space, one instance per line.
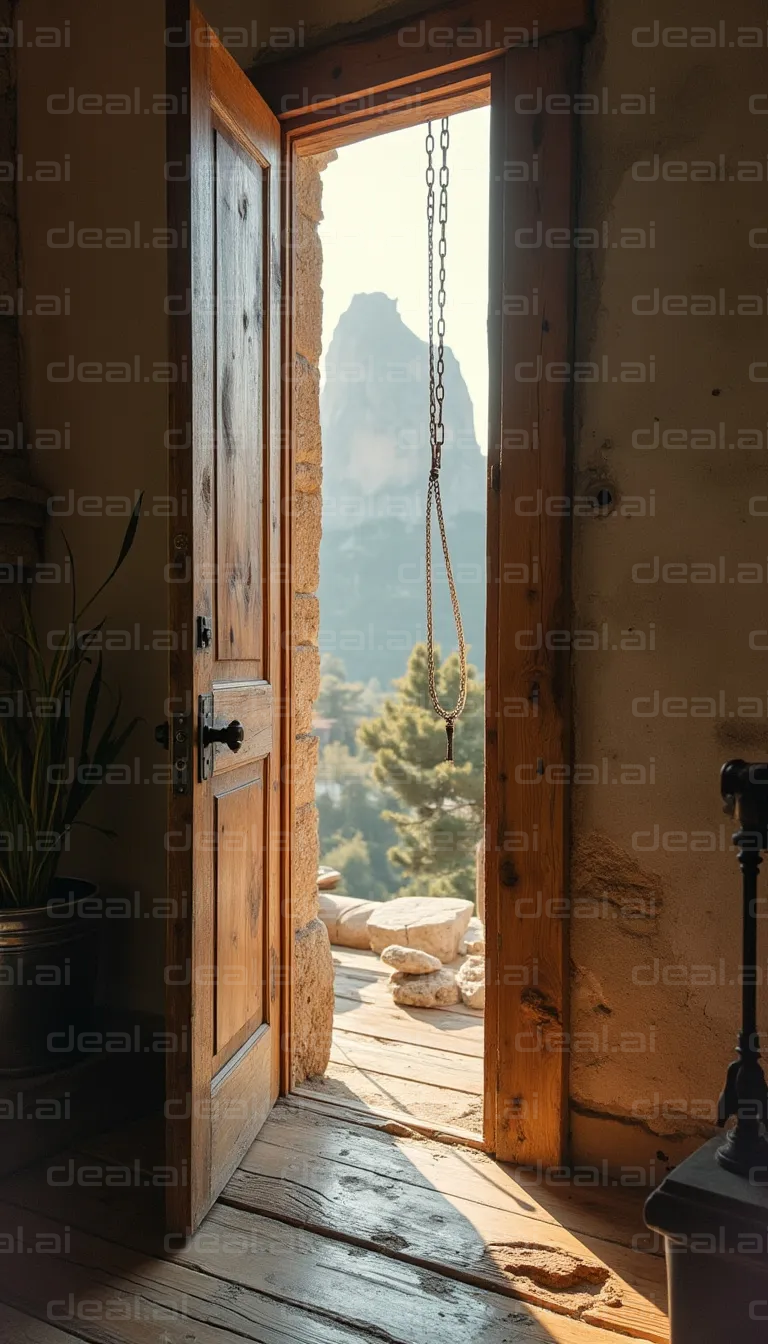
x=442 y=815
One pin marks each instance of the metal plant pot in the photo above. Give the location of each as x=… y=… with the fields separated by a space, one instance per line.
x=48 y=963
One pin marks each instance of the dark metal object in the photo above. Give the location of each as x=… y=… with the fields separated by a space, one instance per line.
x=48 y=963
x=204 y=632
x=744 y=788
x=232 y=736
x=178 y=736
x=437 y=432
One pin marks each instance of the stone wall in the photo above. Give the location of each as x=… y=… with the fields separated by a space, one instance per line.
x=313 y=967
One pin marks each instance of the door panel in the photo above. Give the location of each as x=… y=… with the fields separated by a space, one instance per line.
x=240 y=184
x=222 y=1001
x=251 y=703
x=239 y=981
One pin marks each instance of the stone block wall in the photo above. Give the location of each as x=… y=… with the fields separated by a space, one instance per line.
x=312 y=964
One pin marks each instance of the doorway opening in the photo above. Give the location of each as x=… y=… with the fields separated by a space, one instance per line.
x=401 y=830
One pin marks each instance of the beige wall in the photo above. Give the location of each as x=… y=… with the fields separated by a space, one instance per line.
x=646 y=844
x=115 y=297
x=651 y=1055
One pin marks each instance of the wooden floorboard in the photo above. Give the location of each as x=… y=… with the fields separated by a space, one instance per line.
x=436 y=1068
x=391 y=1122
x=425 y=1064
x=451 y=1234
x=118 y=1295
x=18 y=1328
x=597 y=1211
x=340 y=1227
x=432 y=1027
x=242 y=1276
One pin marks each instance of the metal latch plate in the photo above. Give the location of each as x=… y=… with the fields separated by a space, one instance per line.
x=205 y=753
x=181 y=747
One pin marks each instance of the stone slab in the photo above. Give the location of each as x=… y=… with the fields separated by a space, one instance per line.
x=431 y=923
x=346 y=919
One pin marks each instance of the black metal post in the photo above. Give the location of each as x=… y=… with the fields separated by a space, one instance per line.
x=744 y=789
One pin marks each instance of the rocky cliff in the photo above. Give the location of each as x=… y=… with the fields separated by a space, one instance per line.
x=374 y=411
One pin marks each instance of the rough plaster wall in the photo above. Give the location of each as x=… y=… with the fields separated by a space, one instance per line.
x=251 y=31
x=654 y=1011
x=114 y=178
x=313 y=966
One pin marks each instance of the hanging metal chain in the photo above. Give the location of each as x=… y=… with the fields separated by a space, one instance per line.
x=437 y=428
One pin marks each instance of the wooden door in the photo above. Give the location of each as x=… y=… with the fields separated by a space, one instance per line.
x=223 y=951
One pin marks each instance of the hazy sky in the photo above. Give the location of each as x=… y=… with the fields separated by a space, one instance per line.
x=374 y=237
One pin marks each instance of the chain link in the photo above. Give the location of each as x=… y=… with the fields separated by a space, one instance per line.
x=437 y=427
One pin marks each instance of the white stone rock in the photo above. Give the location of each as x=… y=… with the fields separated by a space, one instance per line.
x=480 y=878
x=346 y=919
x=475 y=933
x=410 y=960
x=475 y=947
x=470 y=981
x=435 y=990
x=433 y=924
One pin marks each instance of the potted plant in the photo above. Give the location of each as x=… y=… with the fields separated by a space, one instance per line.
x=48 y=771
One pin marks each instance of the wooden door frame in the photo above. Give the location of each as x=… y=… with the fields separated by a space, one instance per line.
x=525 y=1104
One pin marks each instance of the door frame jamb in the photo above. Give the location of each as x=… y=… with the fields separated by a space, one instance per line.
x=448 y=79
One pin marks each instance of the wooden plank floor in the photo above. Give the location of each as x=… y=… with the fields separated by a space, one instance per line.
x=333 y=1231
x=421 y=1063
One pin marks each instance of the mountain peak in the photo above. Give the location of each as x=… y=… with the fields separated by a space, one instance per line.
x=374 y=412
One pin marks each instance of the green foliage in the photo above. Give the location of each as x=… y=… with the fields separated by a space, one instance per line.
x=350 y=805
x=344 y=703
x=40 y=796
x=353 y=860
x=440 y=818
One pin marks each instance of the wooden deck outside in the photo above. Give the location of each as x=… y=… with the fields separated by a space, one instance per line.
x=422 y=1063
x=334 y=1230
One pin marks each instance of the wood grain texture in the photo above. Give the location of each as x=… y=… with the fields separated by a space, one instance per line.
x=243 y=1276
x=191 y=426
x=355 y=64
x=528 y=713
x=596 y=1210
x=240 y=955
x=252 y=704
x=450 y=1233
x=432 y=1068
x=228 y=567
x=384 y=111
x=22 y=1329
x=240 y=420
x=433 y=1027
x=352 y=1111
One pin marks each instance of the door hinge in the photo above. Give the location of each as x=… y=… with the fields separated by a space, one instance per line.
x=496 y=477
x=273 y=965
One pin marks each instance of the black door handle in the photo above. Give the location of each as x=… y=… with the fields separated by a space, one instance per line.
x=232 y=736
